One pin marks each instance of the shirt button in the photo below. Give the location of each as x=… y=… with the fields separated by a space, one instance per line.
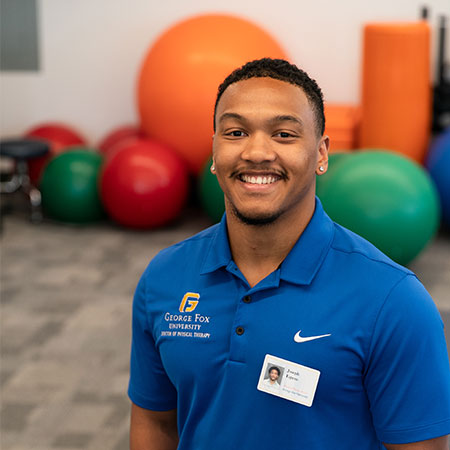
x=247 y=299
x=239 y=331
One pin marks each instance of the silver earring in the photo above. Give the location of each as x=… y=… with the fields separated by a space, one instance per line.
x=321 y=169
x=213 y=168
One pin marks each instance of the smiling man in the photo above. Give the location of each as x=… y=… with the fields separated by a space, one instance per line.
x=278 y=284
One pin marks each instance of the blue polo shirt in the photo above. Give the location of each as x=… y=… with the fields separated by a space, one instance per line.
x=201 y=334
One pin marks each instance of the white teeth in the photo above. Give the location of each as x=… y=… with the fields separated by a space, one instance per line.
x=258 y=179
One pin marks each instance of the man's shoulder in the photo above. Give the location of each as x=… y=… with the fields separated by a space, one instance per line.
x=187 y=251
x=363 y=253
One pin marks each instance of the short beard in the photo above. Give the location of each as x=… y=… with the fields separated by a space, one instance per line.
x=256 y=221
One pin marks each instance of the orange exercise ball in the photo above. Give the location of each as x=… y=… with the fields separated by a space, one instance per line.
x=180 y=75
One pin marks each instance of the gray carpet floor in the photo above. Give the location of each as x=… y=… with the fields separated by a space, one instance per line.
x=65 y=326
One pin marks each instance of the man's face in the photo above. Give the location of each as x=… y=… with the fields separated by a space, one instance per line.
x=273 y=374
x=266 y=149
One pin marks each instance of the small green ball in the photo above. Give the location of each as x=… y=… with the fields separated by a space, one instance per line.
x=211 y=194
x=69 y=186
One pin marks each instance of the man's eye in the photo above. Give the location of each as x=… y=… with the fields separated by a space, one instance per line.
x=284 y=134
x=236 y=133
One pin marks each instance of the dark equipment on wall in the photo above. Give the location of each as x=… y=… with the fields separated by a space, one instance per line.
x=441 y=91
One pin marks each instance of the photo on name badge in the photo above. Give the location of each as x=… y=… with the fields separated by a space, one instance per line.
x=273 y=375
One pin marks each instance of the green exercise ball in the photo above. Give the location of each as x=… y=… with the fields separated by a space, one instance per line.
x=211 y=194
x=69 y=186
x=385 y=197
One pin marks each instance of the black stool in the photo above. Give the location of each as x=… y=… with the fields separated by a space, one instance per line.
x=22 y=150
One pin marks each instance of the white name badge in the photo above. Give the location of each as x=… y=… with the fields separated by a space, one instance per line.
x=288 y=380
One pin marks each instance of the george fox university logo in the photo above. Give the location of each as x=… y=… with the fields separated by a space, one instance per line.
x=186 y=325
x=191 y=304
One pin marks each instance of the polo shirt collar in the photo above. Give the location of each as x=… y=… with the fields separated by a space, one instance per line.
x=218 y=254
x=302 y=262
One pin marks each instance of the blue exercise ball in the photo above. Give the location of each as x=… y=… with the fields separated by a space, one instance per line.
x=438 y=165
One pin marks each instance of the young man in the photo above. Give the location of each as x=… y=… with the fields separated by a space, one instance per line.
x=277 y=282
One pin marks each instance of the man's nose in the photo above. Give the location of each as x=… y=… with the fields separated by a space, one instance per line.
x=258 y=148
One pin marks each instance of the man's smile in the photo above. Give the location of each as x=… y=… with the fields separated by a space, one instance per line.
x=259 y=179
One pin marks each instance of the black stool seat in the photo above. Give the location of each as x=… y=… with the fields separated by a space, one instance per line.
x=24 y=148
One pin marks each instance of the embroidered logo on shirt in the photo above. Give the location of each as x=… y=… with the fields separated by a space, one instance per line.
x=186 y=325
x=300 y=339
x=192 y=304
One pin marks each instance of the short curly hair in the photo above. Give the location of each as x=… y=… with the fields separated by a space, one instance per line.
x=276 y=369
x=282 y=70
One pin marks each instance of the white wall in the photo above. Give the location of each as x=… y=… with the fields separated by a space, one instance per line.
x=91 y=51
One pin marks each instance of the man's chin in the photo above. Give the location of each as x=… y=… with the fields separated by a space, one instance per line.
x=257 y=219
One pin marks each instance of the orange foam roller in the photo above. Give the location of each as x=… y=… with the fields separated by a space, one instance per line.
x=396 y=88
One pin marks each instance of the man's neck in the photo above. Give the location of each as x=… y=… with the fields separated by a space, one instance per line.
x=258 y=250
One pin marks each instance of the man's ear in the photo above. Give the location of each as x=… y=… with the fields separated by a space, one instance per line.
x=322 y=162
x=213 y=165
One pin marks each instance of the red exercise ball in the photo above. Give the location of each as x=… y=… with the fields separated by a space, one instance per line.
x=118 y=135
x=180 y=75
x=144 y=184
x=60 y=137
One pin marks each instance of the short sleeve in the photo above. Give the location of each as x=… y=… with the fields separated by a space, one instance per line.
x=149 y=386
x=407 y=373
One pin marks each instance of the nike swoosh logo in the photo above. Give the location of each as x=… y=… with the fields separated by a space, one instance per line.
x=299 y=339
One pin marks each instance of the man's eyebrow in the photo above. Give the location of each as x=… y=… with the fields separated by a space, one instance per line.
x=230 y=115
x=276 y=119
x=286 y=118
